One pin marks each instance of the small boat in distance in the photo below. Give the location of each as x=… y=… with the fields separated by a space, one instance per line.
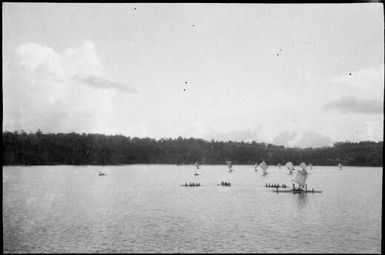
x=229 y=165
x=311 y=166
x=279 y=165
x=224 y=183
x=290 y=166
x=264 y=167
x=256 y=167
x=196 y=168
x=340 y=166
x=191 y=184
x=275 y=185
x=101 y=173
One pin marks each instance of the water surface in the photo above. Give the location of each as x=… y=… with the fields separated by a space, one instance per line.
x=143 y=208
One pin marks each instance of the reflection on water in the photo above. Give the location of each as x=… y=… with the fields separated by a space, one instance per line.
x=301 y=199
x=143 y=208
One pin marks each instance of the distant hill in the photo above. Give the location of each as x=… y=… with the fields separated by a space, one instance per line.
x=20 y=148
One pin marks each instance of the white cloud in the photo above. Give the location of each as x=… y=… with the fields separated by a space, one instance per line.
x=83 y=60
x=56 y=92
x=33 y=56
x=81 y=64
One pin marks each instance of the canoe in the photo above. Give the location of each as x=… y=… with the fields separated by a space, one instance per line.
x=298 y=191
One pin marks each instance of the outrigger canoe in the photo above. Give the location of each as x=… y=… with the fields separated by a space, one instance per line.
x=298 y=191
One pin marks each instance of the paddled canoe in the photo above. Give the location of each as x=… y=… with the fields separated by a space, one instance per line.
x=298 y=191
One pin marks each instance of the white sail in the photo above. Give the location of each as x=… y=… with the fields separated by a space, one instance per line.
x=256 y=167
x=197 y=165
x=290 y=166
x=303 y=166
x=279 y=166
x=264 y=167
x=311 y=166
x=301 y=177
x=340 y=166
x=229 y=165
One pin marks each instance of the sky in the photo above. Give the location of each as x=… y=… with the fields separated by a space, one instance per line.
x=297 y=75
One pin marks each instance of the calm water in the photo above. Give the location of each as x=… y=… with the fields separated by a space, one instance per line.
x=143 y=208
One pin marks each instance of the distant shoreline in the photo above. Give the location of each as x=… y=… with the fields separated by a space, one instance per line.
x=20 y=148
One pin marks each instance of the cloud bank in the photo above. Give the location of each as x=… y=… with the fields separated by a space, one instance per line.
x=82 y=64
x=58 y=92
x=43 y=62
x=356 y=105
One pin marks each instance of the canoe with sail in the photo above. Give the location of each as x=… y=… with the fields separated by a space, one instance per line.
x=196 y=168
x=230 y=166
x=300 y=179
x=264 y=167
x=225 y=183
x=290 y=166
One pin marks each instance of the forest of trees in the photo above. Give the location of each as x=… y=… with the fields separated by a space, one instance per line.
x=20 y=148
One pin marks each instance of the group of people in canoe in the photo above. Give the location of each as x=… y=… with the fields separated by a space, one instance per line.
x=275 y=185
x=223 y=183
x=192 y=184
x=300 y=188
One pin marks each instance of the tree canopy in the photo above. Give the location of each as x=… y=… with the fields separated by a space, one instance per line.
x=20 y=148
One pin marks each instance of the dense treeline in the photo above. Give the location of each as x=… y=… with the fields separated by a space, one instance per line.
x=20 y=148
